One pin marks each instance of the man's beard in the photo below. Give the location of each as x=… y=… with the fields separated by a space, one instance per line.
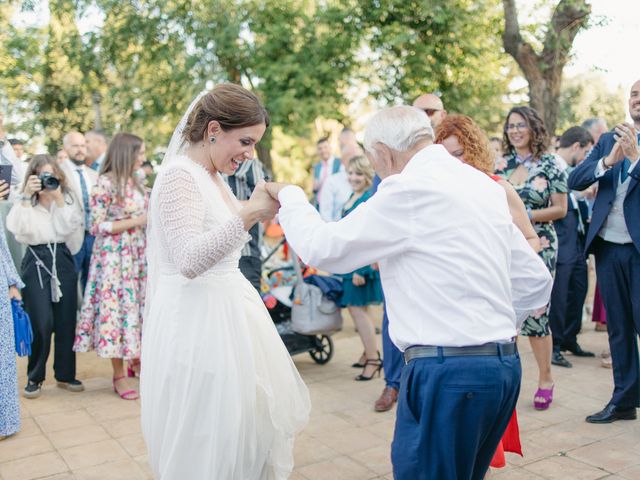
x=78 y=161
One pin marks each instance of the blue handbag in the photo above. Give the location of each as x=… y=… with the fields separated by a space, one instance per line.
x=21 y=328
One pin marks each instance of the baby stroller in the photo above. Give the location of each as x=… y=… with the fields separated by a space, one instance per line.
x=279 y=286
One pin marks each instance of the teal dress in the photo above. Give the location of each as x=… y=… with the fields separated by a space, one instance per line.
x=371 y=292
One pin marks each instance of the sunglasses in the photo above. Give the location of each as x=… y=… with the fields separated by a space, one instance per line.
x=430 y=111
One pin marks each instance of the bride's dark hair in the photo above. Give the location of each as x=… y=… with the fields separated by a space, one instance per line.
x=232 y=106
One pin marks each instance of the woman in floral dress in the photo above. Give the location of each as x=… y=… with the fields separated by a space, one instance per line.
x=543 y=189
x=111 y=317
x=9 y=283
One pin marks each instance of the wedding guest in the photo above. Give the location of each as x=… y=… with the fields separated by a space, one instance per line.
x=327 y=166
x=571 y=280
x=337 y=190
x=8 y=157
x=432 y=105
x=10 y=284
x=496 y=146
x=614 y=239
x=362 y=287
x=62 y=156
x=111 y=316
x=97 y=143
x=543 y=188
x=434 y=225
x=48 y=218
x=81 y=180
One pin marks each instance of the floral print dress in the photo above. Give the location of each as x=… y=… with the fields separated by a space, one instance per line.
x=111 y=318
x=543 y=180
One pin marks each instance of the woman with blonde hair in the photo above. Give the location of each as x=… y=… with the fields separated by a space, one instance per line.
x=111 y=318
x=362 y=287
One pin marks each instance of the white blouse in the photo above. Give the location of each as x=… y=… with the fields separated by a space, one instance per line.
x=35 y=225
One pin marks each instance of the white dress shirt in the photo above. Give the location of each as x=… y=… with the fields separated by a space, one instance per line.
x=335 y=193
x=454 y=268
x=8 y=157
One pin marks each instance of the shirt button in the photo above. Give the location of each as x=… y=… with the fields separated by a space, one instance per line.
x=470 y=395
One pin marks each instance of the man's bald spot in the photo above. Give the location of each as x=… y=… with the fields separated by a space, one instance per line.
x=428 y=100
x=71 y=138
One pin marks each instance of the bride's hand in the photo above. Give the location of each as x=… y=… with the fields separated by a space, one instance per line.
x=274 y=189
x=261 y=206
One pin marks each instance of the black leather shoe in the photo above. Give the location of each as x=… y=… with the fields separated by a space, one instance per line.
x=577 y=351
x=559 y=360
x=611 y=413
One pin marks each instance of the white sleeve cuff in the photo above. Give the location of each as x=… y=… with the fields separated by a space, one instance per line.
x=600 y=168
x=291 y=194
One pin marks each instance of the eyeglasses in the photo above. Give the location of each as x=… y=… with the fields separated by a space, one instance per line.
x=430 y=111
x=517 y=126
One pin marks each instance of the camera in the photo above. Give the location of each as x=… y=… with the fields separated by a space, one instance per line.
x=49 y=182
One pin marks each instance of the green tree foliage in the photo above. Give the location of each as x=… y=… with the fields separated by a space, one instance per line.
x=588 y=96
x=447 y=46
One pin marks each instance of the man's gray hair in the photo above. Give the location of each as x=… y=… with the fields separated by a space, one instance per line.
x=592 y=122
x=399 y=128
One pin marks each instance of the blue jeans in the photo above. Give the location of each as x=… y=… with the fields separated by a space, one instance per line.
x=452 y=412
x=82 y=259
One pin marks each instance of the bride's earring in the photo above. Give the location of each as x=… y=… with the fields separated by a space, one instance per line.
x=212 y=139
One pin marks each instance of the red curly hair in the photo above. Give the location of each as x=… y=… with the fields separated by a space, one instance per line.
x=477 y=152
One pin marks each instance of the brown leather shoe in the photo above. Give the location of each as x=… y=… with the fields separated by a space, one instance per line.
x=387 y=399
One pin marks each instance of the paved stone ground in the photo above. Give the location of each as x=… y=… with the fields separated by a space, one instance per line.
x=95 y=435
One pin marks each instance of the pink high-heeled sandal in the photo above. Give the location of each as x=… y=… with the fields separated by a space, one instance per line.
x=547 y=394
x=129 y=394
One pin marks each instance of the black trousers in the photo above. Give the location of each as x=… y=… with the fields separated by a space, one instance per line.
x=251 y=268
x=570 y=286
x=49 y=318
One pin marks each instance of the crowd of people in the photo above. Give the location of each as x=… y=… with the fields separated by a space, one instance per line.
x=82 y=219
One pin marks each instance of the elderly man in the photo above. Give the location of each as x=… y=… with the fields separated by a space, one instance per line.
x=432 y=105
x=441 y=232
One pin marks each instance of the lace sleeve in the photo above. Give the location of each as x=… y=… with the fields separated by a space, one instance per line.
x=181 y=214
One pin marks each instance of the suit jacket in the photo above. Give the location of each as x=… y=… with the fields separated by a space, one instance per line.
x=570 y=240
x=583 y=176
x=72 y=182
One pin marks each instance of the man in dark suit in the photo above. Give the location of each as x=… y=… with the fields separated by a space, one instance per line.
x=614 y=239
x=570 y=283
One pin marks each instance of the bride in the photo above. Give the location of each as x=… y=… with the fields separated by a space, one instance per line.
x=221 y=398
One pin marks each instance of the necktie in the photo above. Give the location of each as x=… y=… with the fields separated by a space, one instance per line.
x=624 y=173
x=85 y=199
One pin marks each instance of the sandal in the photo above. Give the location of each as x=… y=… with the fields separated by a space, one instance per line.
x=547 y=394
x=129 y=394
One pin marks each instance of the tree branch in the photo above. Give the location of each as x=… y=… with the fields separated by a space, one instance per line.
x=522 y=52
x=568 y=18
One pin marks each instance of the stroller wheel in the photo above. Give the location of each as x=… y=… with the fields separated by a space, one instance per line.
x=323 y=349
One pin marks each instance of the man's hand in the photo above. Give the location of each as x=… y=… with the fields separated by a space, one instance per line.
x=615 y=156
x=627 y=138
x=274 y=189
x=358 y=280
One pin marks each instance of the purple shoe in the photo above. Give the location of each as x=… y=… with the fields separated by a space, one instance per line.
x=547 y=394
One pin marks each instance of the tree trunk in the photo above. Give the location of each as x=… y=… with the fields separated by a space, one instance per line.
x=543 y=71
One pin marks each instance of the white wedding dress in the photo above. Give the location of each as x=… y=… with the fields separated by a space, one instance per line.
x=221 y=397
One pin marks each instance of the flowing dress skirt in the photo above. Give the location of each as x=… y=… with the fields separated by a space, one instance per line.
x=221 y=397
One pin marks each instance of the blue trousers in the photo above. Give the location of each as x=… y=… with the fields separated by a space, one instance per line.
x=452 y=412
x=82 y=259
x=392 y=361
x=618 y=270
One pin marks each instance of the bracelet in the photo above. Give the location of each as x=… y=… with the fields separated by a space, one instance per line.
x=604 y=164
x=529 y=213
